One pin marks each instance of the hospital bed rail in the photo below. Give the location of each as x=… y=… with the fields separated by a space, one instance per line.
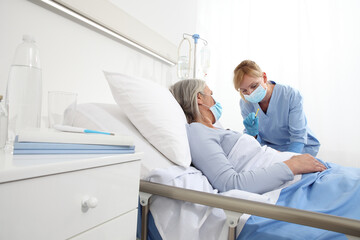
x=313 y=219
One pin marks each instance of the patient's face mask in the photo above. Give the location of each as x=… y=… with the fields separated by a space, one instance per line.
x=257 y=95
x=216 y=109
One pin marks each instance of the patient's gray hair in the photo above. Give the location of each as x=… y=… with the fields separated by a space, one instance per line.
x=185 y=92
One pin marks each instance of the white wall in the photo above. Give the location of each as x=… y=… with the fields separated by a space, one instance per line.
x=74 y=56
x=170 y=18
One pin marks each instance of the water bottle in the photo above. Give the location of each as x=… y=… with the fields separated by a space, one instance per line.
x=24 y=89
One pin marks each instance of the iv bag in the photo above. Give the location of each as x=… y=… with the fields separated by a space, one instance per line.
x=184 y=58
x=183 y=67
x=205 y=59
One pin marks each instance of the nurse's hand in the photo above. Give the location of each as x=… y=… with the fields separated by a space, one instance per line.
x=304 y=163
x=251 y=124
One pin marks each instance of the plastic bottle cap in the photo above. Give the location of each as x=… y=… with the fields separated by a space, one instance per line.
x=28 y=38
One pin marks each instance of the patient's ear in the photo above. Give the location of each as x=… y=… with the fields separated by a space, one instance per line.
x=200 y=98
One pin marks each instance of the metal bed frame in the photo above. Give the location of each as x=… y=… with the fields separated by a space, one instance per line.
x=234 y=207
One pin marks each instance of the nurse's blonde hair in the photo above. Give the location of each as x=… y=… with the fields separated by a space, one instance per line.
x=185 y=93
x=246 y=67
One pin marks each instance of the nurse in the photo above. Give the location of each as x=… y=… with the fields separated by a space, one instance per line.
x=280 y=121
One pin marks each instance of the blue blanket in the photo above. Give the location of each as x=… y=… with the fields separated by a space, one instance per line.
x=335 y=191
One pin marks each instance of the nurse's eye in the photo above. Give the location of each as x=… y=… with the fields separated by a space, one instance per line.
x=254 y=85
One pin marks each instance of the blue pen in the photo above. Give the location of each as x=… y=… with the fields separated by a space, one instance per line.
x=65 y=128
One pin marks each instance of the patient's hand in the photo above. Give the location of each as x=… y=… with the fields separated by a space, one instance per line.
x=304 y=163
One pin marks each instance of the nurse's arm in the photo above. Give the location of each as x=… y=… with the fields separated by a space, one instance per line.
x=296 y=147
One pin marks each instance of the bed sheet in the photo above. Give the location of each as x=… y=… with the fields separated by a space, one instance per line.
x=176 y=219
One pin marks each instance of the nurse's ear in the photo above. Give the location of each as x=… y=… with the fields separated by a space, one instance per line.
x=265 y=77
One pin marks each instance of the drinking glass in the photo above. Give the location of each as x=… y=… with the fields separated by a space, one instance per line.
x=61 y=108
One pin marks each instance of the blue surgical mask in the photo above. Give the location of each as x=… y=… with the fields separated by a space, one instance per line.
x=216 y=110
x=257 y=95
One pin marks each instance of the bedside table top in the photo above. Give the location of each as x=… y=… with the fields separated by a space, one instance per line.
x=19 y=167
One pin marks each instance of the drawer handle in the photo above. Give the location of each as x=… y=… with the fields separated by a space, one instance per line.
x=89 y=202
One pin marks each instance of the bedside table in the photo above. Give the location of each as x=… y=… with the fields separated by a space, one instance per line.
x=69 y=196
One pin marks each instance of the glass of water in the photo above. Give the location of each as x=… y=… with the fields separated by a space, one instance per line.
x=61 y=108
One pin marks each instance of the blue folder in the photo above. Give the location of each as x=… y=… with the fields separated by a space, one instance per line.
x=72 y=151
x=69 y=148
x=45 y=145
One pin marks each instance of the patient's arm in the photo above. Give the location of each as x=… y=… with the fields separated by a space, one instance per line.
x=304 y=163
x=211 y=160
x=209 y=157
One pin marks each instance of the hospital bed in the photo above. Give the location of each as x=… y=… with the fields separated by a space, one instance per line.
x=163 y=185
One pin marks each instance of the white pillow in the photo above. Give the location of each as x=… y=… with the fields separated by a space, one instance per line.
x=155 y=113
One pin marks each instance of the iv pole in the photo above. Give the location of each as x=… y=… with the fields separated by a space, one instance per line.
x=196 y=37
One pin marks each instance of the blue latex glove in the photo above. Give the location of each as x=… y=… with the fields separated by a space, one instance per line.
x=296 y=147
x=251 y=124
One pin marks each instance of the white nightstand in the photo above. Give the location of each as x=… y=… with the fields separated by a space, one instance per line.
x=69 y=196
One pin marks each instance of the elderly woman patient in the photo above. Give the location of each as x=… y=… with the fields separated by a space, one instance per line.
x=212 y=148
x=232 y=160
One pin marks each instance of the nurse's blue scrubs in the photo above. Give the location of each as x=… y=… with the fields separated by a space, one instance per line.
x=284 y=122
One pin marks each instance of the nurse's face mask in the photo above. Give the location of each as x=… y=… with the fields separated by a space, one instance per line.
x=257 y=95
x=251 y=88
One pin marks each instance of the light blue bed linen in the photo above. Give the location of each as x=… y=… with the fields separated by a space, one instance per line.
x=335 y=191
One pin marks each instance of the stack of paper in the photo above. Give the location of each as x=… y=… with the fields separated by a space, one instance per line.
x=55 y=142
